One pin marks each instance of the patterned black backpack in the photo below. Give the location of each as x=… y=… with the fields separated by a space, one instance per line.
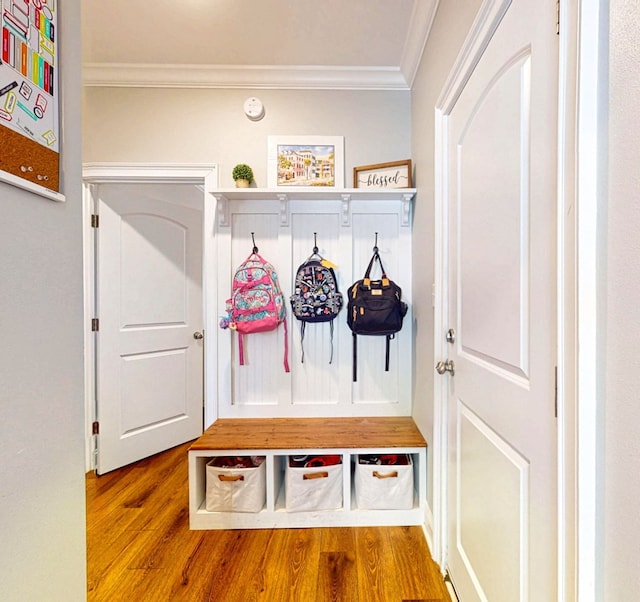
x=316 y=297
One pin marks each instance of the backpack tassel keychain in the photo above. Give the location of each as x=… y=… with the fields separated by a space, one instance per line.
x=316 y=297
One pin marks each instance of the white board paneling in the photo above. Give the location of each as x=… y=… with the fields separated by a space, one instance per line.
x=374 y=385
x=257 y=381
x=284 y=227
x=316 y=381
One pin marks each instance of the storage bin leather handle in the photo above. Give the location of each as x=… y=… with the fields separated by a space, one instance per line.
x=231 y=477
x=387 y=475
x=315 y=475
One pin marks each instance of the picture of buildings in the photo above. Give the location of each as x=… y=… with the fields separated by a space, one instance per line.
x=300 y=165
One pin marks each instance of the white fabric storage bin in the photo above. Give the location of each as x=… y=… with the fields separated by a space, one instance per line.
x=384 y=487
x=236 y=489
x=313 y=488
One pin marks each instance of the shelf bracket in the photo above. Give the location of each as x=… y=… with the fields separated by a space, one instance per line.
x=284 y=209
x=406 y=209
x=346 y=209
x=222 y=209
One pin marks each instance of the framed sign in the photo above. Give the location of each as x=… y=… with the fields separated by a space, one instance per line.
x=306 y=161
x=383 y=175
x=29 y=114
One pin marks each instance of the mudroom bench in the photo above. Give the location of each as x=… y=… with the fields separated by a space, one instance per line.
x=278 y=439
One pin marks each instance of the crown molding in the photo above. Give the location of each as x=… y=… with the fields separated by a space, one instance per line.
x=132 y=75
x=420 y=24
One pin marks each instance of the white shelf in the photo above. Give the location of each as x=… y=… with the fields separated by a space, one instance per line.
x=314 y=193
x=285 y=195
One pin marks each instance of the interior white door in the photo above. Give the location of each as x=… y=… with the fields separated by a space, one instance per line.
x=149 y=304
x=501 y=182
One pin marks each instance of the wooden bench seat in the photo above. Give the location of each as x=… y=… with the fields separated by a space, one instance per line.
x=316 y=433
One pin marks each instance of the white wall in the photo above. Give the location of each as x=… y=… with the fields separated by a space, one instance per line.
x=209 y=126
x=621 y=411
x=42 y=500
x=450 y=29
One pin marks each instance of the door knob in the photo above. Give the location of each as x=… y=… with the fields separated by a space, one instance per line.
x=198 y=335
x=448 y=366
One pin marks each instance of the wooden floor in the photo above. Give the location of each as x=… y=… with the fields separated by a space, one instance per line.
x=140 y=548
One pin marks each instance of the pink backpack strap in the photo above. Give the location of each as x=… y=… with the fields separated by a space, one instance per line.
x=286 y=347
x=241 y=348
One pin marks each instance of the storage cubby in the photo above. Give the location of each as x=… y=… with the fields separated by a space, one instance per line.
x=277 y=439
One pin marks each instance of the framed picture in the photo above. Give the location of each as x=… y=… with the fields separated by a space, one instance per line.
x=29 y=95
x=305 y=161
x=383 y=175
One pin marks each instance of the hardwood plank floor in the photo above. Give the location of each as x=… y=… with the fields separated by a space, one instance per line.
x=139 y=547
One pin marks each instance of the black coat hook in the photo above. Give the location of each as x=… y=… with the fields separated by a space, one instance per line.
x=255 y=249
x=375 y=245
x=315 y=243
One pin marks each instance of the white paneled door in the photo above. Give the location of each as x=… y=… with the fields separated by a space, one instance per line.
x=149 y=303
x=501 y=183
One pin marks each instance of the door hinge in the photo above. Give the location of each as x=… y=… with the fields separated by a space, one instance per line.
x=95 y=324
x=558 y=17
x=555 y=391
x=95 y=428
x=95 y=220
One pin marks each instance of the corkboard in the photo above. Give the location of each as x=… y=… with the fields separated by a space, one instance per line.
x=29 y=91
x=26 y=159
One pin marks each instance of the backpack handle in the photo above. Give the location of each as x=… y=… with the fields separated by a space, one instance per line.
x=255 y=257
x=367 y=274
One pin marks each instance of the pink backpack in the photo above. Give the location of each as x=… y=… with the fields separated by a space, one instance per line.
x=256 y=303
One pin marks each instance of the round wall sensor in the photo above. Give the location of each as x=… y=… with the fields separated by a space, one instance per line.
x=254 y=109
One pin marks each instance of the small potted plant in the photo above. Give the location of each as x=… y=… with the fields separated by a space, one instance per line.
x=243 y=175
